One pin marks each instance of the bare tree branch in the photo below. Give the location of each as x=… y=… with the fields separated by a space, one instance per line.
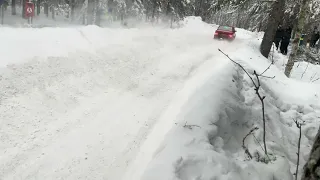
x=298 y=124
x=257 y=86
x=305 y=70
x=239 y=66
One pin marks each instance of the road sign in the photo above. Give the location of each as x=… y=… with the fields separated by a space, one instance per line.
x=29 y=10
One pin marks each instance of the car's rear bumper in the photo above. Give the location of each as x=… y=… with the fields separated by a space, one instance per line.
x=223 y=37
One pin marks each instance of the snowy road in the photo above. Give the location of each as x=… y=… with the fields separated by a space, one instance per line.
x=83 y=112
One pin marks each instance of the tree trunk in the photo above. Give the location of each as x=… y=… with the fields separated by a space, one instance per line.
x=46 y=9
x=13 y=7
x=294 y=18
x=299 y=31
x=311 y=170
x=2 y=13
x=72 y=4
x=98 y=12
x=168 y=8
x=273 y=22
x=23 y=4
x=53 y=12
x=38 y=7
x=154 y=9
x=90 y=12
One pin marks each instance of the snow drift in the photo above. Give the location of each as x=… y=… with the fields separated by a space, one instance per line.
x=206 y=139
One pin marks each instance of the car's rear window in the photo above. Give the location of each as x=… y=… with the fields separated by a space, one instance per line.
x=225 y=28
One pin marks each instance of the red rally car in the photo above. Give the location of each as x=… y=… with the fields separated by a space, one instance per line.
x=225 y=32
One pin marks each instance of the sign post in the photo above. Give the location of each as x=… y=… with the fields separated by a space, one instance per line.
x=29 y=11
x=2 y=10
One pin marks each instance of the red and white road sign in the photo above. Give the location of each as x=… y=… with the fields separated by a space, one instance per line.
x=29 y=10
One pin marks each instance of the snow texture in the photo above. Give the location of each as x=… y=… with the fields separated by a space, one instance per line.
x=146 y=103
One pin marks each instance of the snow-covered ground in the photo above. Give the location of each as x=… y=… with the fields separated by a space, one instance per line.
x=206 y=140
x=145 y=103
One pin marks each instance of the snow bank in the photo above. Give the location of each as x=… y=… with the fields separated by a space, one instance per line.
x=291 y=91
x=205 y=141
x=197 y=146
x=286 y=100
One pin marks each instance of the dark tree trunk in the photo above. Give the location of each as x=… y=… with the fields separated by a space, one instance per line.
x=23 y=4
x=72 y=5
x=273 y=22
x=154 y=9
x=46 y=9
x=13 y=7
x=38 y=7
x=168 y=8
x=53 y=12
x=2 y=13
x=311 y=170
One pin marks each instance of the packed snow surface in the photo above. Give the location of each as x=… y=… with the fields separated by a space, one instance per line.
x=145 y=103
x=79 y=102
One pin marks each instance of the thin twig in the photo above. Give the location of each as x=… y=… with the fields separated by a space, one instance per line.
x=260 y=145
x=257 y=86
x=266 y=69
x=298 y=124
x=316 y=80
x=189 y=126
x=299 y=64
x=246 y=150
x=313 y=76
x=258 y=141
x=261 y=98
x=269 y=77
x=272 y=62
x=239 y=66
x=305 y=70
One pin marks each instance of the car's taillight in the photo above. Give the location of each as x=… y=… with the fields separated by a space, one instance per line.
x=230 y=35
x=216 y=34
